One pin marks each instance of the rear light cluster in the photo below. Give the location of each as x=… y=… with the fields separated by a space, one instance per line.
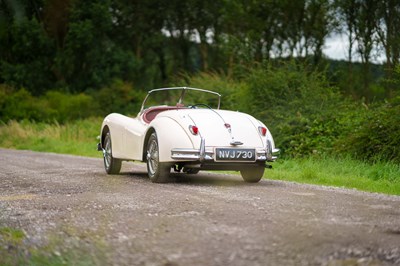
x=263 y=131
x=194 y=130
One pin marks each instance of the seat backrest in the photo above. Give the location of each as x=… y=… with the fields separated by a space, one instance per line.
x=151 y=113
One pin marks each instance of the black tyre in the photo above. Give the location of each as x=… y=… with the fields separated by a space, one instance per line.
x=253 y=174
x=111 y=164
x=157 y=172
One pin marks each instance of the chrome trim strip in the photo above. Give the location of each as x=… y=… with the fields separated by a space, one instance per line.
x=202 y=149
x=191 y=154
x=272 y=154
x=203 y=155
x=183 y=92
x=276 y=151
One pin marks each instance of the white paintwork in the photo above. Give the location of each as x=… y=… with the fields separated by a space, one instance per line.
x=128 y=135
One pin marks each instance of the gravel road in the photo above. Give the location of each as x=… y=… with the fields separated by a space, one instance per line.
x=67 y=202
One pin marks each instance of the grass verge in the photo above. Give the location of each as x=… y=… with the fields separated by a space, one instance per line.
x=79 y=138
x=381 y=177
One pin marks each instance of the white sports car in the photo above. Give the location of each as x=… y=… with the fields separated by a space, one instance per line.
x=185 y=130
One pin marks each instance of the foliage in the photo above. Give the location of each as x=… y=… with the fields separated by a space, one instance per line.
x=27 y=57
x=78 y=137
x=90 y=59
x=119 y=97
x=61 y=106
x=20 y=105
x=79 y=46
x=227 y=87
x=374 y=136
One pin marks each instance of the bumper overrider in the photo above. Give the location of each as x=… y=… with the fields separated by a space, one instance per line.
x=268 y=154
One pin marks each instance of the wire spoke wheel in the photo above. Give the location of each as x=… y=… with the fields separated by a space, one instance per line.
x=158 y=172
x=111 y=164
x=107 y=153
x=153 y=156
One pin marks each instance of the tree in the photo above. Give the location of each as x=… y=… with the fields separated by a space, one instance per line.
x=388 y=31
x=320 y=22
x=90 y=58
x=27 y=59
x=365 y=30
x=347 y=11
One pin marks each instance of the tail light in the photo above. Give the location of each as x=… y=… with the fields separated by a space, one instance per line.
x=194 y=130
x=263 y=131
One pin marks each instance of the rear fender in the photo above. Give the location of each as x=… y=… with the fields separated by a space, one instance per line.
x=171 y=135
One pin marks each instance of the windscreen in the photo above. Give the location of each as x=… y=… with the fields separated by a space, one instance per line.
x=186 y=97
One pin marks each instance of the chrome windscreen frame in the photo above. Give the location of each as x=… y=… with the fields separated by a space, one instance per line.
x=184 y=89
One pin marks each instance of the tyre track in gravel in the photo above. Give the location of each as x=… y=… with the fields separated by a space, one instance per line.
x=205 y=219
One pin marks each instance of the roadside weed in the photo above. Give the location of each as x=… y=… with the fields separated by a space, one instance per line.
x=382 y=177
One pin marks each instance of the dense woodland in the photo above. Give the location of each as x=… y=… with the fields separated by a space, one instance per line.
x=68 y=59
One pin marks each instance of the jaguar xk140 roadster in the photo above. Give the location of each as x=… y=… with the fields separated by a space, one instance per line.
x=184 y=129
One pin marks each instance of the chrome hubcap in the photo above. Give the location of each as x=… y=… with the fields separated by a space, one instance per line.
x=107 y=153
x=152 y=157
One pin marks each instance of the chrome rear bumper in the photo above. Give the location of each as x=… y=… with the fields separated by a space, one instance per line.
x=202 y=154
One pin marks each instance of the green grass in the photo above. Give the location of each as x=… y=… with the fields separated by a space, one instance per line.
x=382 y=177
x=14 y=250
x=79 y=138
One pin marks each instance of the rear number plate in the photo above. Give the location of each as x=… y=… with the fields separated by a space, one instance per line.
x=235 y=154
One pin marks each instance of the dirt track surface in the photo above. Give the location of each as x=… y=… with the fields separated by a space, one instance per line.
x=206 y=219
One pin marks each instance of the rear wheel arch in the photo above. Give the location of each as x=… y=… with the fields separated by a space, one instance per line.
x=146 y=140
x=104 y=132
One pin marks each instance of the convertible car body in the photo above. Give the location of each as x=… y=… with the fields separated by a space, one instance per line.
x=184 y=129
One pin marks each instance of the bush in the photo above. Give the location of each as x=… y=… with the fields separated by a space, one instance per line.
x=375 y=136
x=21 y=105
x=119 y=97
x=300 y=107
x=65 y=107
x=62 y=107
x=227 y=87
